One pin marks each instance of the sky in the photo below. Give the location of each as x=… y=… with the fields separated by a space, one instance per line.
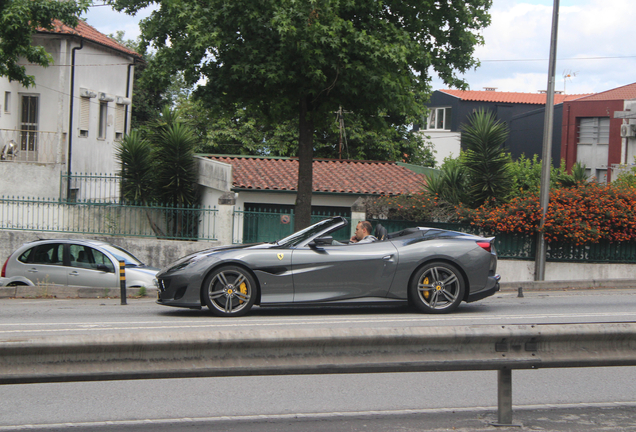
x=593 y=44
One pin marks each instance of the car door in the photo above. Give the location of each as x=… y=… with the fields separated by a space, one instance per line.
x=90 y=267
x=44 y=264
x=327 y=273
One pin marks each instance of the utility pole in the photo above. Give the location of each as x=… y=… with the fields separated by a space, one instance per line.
x=546 y=161
x=340 y=120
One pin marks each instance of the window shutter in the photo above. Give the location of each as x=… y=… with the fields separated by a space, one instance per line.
x=85 y=108
x=120 y=112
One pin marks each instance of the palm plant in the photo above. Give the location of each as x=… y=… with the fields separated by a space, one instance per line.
x=488 y=165
x=133 y=155
x=175 y=169
x=451 y=183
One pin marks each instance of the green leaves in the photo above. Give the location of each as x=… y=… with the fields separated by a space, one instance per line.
x=19 y=20
x=486 y=162
x=160 y=168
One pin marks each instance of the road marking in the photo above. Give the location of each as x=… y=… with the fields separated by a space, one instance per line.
x=296 y=416
x=276 y=321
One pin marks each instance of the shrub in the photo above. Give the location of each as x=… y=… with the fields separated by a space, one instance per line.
x=584 y=214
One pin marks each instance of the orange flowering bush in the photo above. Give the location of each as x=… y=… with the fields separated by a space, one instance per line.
x=584 y=214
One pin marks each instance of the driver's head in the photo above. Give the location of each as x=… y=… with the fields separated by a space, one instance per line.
x=363 y=229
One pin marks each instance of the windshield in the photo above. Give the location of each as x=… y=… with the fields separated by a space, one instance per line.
x=302 y=235
x=122 y=255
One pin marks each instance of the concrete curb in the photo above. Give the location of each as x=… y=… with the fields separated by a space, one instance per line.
x=568 y=285
x=58 y=291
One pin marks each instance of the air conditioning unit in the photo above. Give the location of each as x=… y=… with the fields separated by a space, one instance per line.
x=628 y=130
x=123 y=100
x=84 y=92
x=105 y=97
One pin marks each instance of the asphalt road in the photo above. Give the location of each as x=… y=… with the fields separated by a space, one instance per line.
x=551 y=399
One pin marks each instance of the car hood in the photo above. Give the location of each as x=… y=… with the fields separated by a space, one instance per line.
x=194 y=257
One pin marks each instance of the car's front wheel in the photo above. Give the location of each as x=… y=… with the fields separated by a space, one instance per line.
x=437 y=288
x=229 y=291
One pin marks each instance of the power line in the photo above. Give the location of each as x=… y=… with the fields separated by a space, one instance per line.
x=562 y=59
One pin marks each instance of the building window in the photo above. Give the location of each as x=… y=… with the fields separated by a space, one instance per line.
x=439 y=119
x=29 y=126
x=85 y=110
x=7 y=102
x=103 y=119
x=120 y=116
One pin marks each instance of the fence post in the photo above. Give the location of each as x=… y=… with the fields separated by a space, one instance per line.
x=122 y=281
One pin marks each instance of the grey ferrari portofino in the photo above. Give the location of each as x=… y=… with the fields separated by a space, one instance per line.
x=433 y=269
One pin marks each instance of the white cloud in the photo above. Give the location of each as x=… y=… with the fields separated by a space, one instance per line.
x=587 y=29
x=520 y=30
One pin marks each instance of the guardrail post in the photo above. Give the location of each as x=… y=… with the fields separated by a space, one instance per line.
x=504 y=397
x=122 y=281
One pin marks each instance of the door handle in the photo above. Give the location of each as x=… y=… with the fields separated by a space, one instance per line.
x=32 y=270
x=74 y=273
x=387 y=257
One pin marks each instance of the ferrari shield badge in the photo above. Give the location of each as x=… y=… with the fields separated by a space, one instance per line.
x=280 y=256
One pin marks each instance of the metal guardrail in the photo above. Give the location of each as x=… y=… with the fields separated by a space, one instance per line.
x=178 y=354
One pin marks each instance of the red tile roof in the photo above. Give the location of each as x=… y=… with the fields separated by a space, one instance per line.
x=620 y=93
x=509 y=97
x=329 y=175
x=87 y=32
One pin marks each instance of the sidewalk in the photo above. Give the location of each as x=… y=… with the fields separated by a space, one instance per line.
x=58 y=291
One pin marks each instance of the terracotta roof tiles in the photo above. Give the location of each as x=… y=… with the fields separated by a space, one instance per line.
x=620 y=93
x=87 y=32
x=329 y=175
x=508 y=97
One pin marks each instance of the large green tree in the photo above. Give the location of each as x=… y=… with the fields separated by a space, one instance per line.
x=19 y=21
x=311 y=57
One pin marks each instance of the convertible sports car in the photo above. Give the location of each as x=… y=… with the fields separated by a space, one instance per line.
x=433 y=269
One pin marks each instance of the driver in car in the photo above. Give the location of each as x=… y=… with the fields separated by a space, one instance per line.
x=363 y=233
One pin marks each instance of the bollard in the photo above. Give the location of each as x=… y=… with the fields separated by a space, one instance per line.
x=520 y=292
x=122 y=281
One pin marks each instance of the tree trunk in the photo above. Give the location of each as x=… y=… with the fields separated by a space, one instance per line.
x=302 y=217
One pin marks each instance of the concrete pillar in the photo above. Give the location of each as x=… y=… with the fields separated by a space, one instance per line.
x=358 y=214
x=225 y=219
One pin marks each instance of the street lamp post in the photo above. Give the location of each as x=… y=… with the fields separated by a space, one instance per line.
x=546 y=160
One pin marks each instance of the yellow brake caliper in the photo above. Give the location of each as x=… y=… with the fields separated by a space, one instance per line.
x=243 y=289
x=426 y=293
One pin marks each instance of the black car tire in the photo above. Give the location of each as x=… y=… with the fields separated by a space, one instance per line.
x=229 y=291
x=437 y=288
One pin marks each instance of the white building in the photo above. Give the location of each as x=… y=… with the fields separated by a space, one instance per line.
x=70 y=120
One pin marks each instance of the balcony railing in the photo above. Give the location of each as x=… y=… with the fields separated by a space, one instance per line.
x=31 y=146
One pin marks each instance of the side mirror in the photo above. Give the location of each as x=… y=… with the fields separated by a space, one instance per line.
x=104 y=268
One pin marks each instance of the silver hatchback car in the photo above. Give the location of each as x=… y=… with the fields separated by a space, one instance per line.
x=85 y=263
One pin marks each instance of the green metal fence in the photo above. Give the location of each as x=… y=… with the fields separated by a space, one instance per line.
x=517 y=246
x=88 y=217
x=90 y=186
x=268 y=226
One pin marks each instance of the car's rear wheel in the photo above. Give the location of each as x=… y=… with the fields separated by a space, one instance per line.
x=229 y=291
x=437 y=287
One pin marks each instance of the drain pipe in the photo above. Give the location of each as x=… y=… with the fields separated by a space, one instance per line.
x=70 y=121
x=130 y=65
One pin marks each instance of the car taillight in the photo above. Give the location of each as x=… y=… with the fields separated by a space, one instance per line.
x=485 y=246
x=4 y=268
